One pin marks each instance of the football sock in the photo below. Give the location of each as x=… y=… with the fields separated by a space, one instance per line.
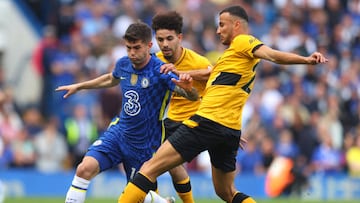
x=240 y=197
x=77 y=190
x=183 y=189
x=153 y=197
x=136 y=190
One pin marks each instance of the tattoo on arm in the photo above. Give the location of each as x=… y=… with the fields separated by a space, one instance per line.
x=191 y=95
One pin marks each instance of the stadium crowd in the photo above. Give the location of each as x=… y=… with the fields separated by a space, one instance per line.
x=310 y=115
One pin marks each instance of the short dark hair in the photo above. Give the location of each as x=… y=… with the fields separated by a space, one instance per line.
x=170 y=20
x=138 y=31
x=236 y=11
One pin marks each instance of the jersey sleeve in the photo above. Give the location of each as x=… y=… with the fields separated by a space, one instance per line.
x=246 y=45
x=167 y=79
x=117 y=70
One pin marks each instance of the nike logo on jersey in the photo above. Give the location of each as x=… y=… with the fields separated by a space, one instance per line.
x=122 y=78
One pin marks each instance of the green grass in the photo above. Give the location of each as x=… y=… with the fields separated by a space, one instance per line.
x=92 y=200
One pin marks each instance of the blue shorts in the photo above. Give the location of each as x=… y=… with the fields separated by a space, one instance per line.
x=112 y=148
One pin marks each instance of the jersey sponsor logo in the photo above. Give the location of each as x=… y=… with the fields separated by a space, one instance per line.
x=134 y=79
x=132 y=105
x=145 y=83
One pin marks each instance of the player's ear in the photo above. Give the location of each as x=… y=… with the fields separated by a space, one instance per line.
x=150 y=44
x=237 y=23
x=180 y=36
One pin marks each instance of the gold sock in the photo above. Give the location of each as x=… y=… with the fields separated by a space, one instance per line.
x=186 y=197
x=132 y=194
x=249 y=200
x=242 y=198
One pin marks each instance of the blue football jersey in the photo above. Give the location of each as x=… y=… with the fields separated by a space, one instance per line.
x=145 y=94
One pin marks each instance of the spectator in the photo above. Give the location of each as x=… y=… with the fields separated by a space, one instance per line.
x=353 y=157
x=10 y=121
x=249 y=161
x=326 y=159
x=24 y=150
x=43 y=56
x=50 y=147
x=286 y=147
x=6 y=154
x=33 y=120
x=80 y=133
x=268 y=152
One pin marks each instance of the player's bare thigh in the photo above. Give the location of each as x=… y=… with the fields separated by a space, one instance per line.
x=165 y=158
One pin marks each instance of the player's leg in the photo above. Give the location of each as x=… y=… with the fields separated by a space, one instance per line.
x=164 y=159
x=181 y=146
x=132 y=163
x=181 y=182
x=223 y=162
x=180 y=177
x=86 y=170
x=225 y=188
x=102 y=154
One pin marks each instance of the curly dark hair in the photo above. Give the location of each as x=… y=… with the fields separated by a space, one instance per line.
x=170 y=20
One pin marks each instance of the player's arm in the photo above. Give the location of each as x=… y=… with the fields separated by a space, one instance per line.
x=103 y=81
x=184 y=87
x=280 y=57
x=198 y=74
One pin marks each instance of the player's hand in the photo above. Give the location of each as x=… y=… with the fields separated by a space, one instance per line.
x=242 y=143
x=185 y=82
x=316 y=58
x=71 y=89
x=168 y=67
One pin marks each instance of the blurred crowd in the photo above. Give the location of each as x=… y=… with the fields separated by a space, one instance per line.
x=307 y=113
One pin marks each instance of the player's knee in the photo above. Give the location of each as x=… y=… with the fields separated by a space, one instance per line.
x=86 y=170
x=144 y=167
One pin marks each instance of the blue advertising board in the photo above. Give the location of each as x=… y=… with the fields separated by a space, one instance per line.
x=30 y=183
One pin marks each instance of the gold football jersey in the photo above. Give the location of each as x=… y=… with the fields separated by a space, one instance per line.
x=230 y=83
x=181 y=108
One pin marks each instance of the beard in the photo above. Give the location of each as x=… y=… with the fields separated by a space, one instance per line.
x=168 y=57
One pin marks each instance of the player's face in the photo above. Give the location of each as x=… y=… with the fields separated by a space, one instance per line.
x=138 y=52
x=225 y=29
x=169 y=43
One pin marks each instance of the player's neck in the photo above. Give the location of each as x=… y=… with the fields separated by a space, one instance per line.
x=142 y=65
x=177 y=55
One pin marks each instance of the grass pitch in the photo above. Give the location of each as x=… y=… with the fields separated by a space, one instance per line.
x=93 y=200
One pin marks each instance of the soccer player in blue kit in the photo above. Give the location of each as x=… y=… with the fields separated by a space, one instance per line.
x=134 y=135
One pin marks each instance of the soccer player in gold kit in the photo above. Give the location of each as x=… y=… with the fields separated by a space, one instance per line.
x=168 y=34
x=216 y=125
